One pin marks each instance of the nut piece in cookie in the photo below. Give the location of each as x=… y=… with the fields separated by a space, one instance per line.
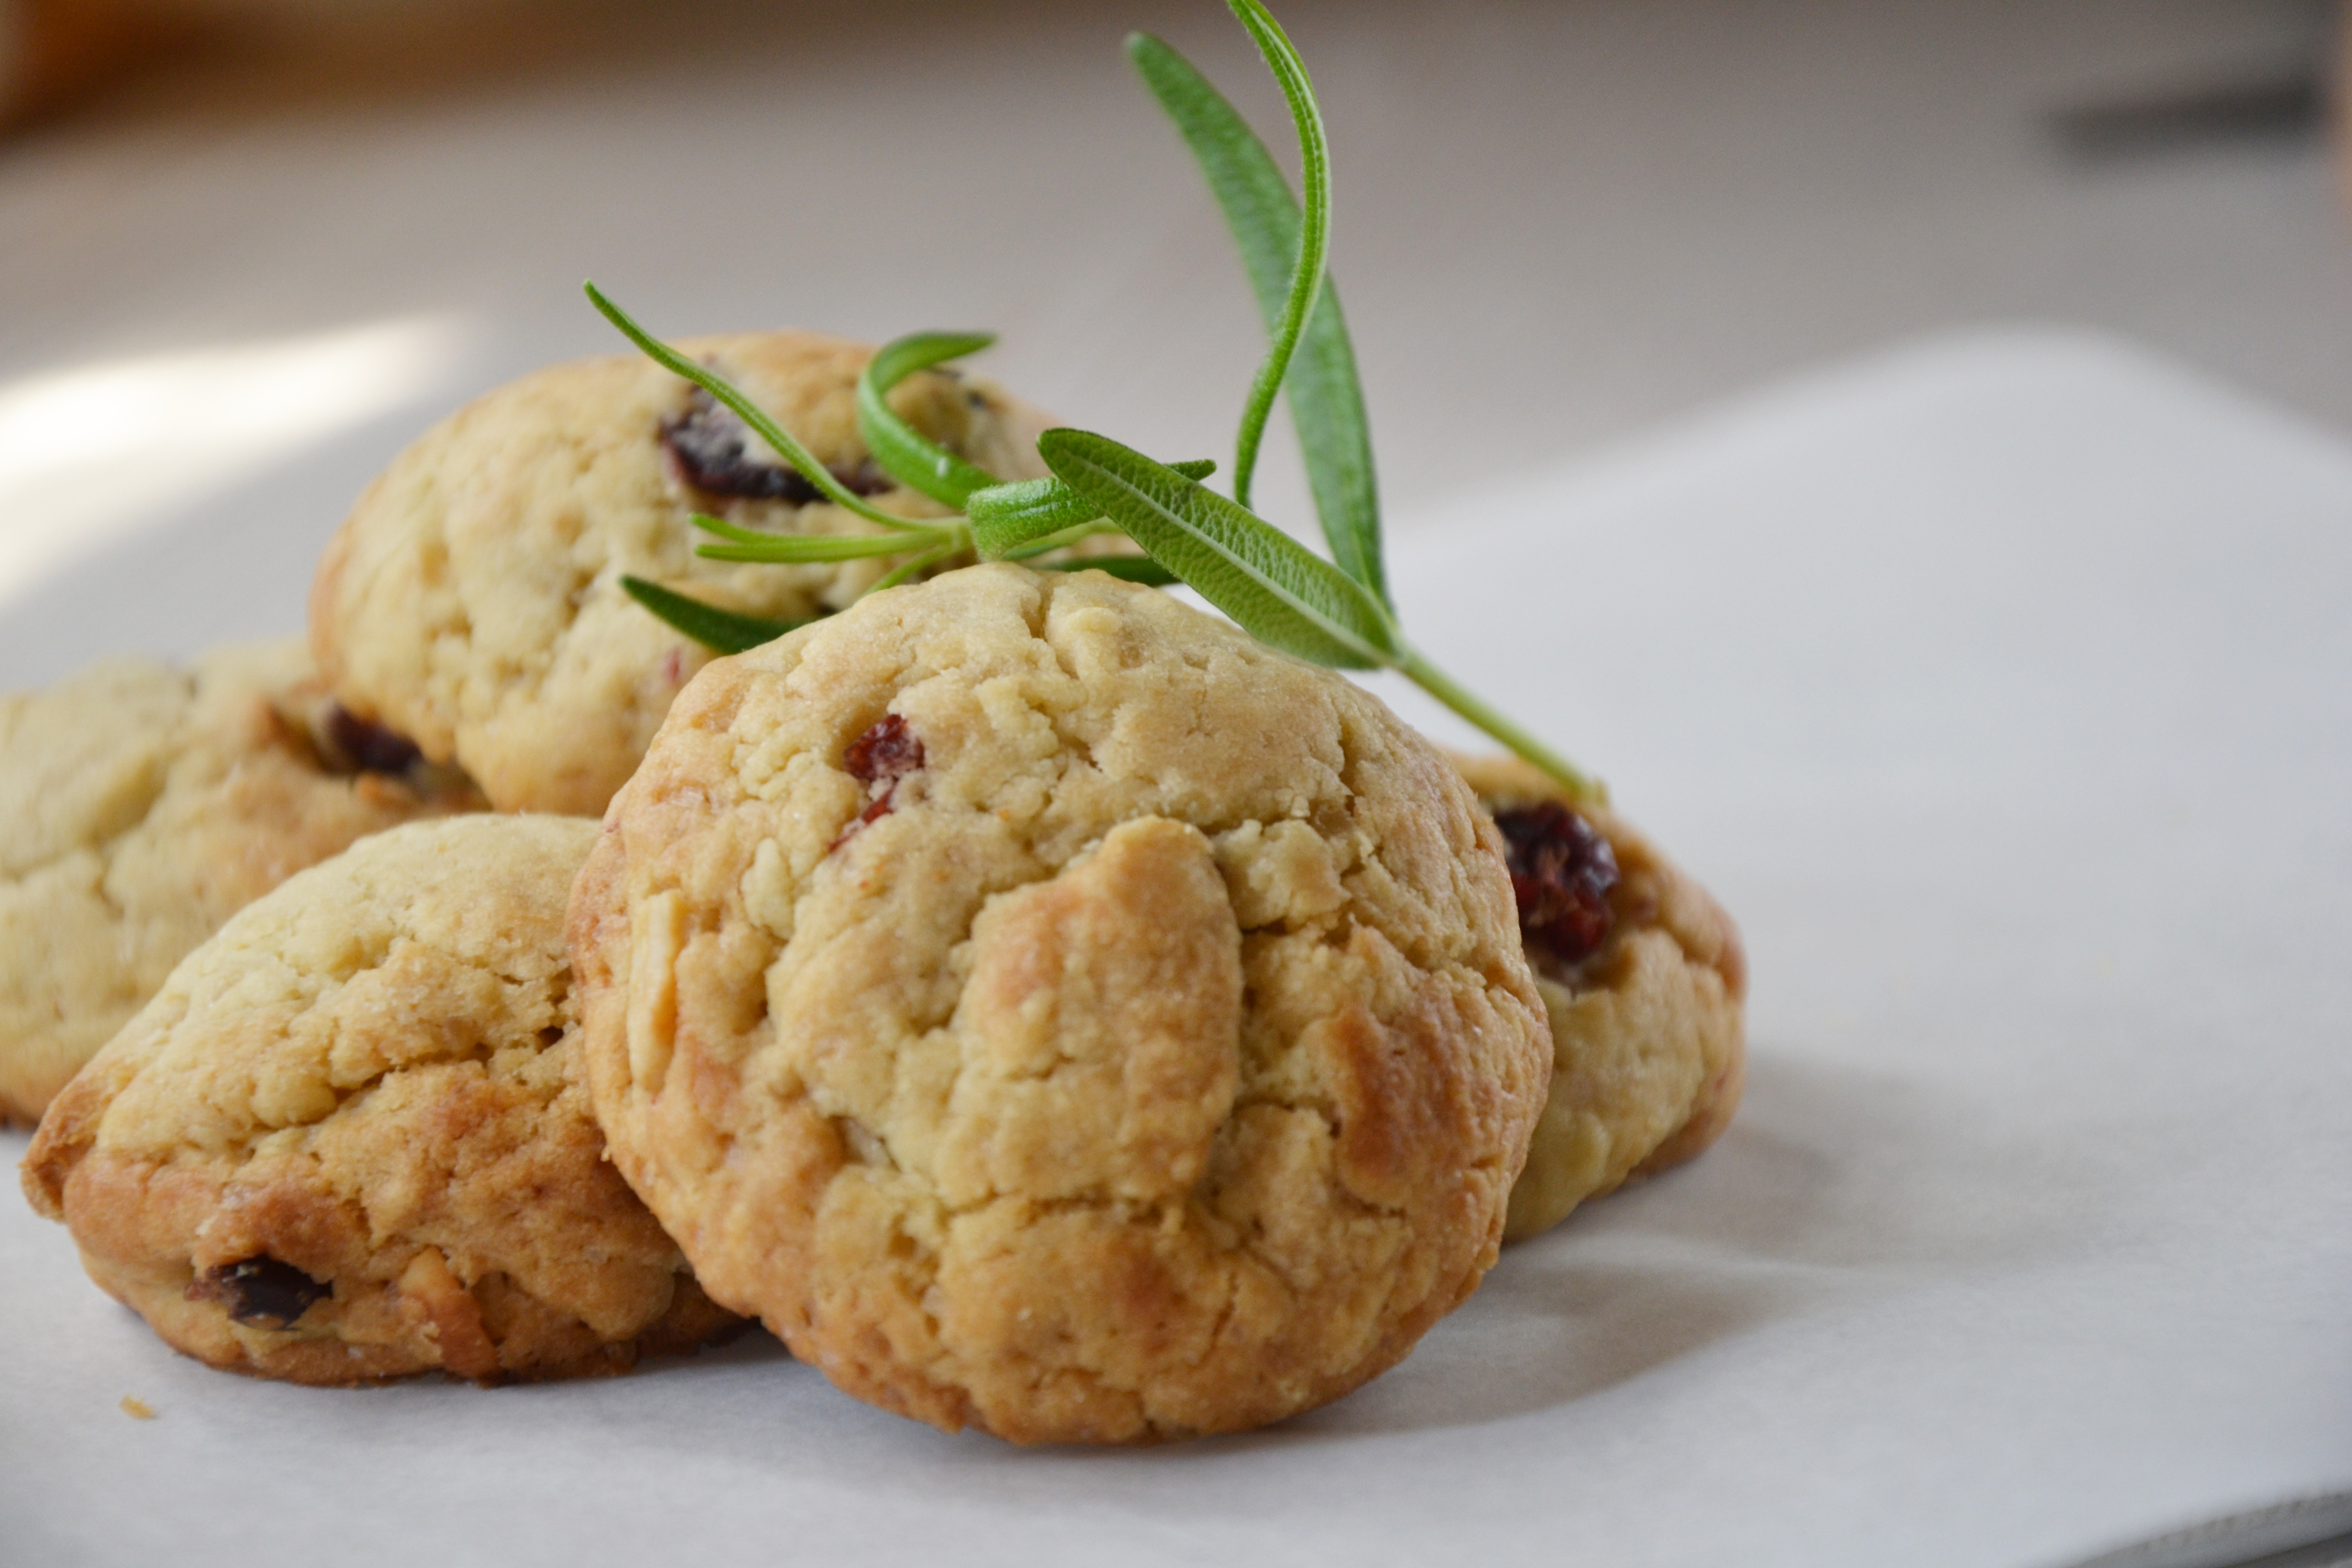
x=140 y=806
x=344 y=1142
x=1643 y=979
x=1055 y=1012
x=472 y=602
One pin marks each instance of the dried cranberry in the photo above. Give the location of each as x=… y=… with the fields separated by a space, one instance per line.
x=879 y=759
x=1561 y=871
x=885 y=753
x=368 y=746
x=714 y=452
x=261 y=1292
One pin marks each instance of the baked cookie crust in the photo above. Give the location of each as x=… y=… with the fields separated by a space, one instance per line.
x=344 y=1143
x=1053 y=1011
x=144 y=805
x=473 y=601
x=1647 y=1031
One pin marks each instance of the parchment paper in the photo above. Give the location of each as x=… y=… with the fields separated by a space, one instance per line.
x=2002 y=688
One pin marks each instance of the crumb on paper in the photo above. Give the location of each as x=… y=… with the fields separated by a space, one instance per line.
x=137 y=1409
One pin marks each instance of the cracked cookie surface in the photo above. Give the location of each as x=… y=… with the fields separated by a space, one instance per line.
x=473 y=599
x=1055 y=1012
x=144 y=805
x=1646 y=1022
x=344 y=1143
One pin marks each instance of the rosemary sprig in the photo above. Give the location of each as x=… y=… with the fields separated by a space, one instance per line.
x=903 y=453
x=705 y=624
x=1012 y=522
x=1024 y=519
x=1271 y=586
x=743 y=408
x=1325 y=394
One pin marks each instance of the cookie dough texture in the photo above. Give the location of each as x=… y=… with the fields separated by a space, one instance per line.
x=359 y=1092
x=473 y=599
x=1646 y=1034
x=140 y=805
x=1153 y=1059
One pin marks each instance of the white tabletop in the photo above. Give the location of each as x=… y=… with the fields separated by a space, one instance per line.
x=1999 y=686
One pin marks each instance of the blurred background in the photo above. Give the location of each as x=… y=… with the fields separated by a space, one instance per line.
x=249 y=247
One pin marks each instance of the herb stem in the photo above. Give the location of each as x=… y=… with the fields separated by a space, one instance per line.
x=800 y=549
x=751 y=412
x=907 y=570
x=1061 y=541
x=1446 y=689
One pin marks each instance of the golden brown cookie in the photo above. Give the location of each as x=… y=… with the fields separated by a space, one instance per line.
x=473 y=599
x=1053 y=1011
x=344 y=1143
x=140 y=805
x=1643 y=979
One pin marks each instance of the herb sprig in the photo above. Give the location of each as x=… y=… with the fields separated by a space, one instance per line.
x=1335 y=613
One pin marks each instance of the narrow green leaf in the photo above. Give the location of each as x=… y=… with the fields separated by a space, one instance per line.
x=752 y=545
x=1274 y=587
x=1306 y=280
x=1327 y=398
x=1127 y=568
x=706 y=623
x=751 y=412
x=905 y=454
x=1006 y=519
x=907 y=570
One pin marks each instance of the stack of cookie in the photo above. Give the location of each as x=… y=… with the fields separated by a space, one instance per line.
x=471 y=648
x=1046 y=1007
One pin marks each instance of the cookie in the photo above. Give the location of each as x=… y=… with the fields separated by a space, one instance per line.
x=145 y=804
x=1053 y=1011
x=345 y=1143
x=1643 y=981
x=473 y=601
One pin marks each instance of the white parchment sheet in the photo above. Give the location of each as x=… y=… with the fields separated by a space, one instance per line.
x=2002 y=688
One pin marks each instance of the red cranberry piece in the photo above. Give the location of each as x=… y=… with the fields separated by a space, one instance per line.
x=1562 y=872
x=715 y=453
x=261 y=1292
x=879 y=759
x=885 y=753
x=369 y=746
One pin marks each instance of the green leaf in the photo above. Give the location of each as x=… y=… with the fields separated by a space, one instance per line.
x=1126 y=568
x=706 y=623
x=751 y=412
x=1007 y=518
x=752 y=545
x=1274 y=587
x=904 y=453
x=1327 y=398
x=1309 y=254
